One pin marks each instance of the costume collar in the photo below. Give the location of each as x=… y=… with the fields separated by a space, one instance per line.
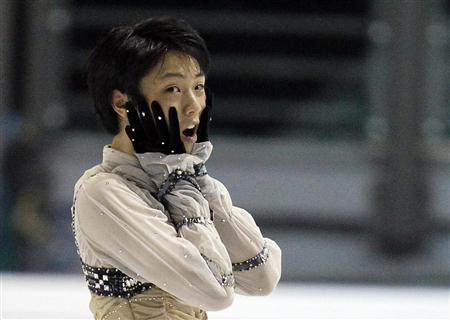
x=113 y=158
x=131 y=167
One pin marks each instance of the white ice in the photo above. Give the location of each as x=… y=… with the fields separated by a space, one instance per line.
x=31 y=296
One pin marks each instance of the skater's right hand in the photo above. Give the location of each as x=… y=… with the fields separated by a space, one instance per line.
x=148 y=131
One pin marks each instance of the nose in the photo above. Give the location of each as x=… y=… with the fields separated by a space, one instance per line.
x=192 y=105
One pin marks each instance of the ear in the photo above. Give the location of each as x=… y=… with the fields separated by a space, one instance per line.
x=118 y=100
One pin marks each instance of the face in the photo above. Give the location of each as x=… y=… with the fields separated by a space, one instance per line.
x=177 y=81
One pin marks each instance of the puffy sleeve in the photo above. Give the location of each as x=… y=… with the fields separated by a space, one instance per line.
x=256 y=260
x=123 y=230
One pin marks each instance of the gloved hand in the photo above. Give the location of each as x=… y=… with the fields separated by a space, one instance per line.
x=148 y=131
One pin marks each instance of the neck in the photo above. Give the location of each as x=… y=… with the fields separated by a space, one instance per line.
x=122 y=143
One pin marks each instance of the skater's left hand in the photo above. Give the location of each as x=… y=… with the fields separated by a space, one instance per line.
x=205 y=118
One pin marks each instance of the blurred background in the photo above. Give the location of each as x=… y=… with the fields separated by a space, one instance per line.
x=331 y=126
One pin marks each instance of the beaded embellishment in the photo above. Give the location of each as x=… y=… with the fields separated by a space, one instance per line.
x=200 y=170
x=189 y=221
x=112 y=282
x=254 y=262
x=172 y=180
x=225 y=280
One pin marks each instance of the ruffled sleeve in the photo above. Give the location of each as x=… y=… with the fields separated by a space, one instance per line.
x=256 y=260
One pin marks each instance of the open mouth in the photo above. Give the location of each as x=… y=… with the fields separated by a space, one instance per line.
x=190 y=132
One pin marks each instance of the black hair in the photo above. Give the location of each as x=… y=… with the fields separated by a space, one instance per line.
x=126 y=54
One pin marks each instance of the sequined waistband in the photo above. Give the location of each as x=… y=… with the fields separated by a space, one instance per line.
x=112 y=282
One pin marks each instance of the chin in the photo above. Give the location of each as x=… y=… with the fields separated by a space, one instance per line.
x=188 y=147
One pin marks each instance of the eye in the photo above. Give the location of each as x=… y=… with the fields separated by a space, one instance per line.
x=173 y=89
x=200 y=87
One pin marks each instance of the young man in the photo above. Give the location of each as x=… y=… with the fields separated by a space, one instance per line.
x=158 y=237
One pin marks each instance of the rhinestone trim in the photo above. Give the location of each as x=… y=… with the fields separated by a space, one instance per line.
x=190 y=221
x=225 y=280
x=200 y=170
x=254 y=262
x=112 y=282
x=172 y=180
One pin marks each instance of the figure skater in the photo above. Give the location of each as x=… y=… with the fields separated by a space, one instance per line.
x=158 y=237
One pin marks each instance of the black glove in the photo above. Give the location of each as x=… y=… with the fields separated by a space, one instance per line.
x=205 y=118
x=148 y=131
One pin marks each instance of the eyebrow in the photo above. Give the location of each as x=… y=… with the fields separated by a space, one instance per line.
x=178 y=75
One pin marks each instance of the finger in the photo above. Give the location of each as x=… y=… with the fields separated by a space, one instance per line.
x=136 y=138
x=134 y=129
x=205 y=118
x=209 y=98
x=132 y=114
x=176 y=145
x=160 y=124
x=146 y=120
x=202 y=131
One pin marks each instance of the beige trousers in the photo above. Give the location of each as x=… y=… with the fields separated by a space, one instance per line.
x=153 y=304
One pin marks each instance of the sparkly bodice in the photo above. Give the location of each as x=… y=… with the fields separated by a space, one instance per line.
x=112 y=282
